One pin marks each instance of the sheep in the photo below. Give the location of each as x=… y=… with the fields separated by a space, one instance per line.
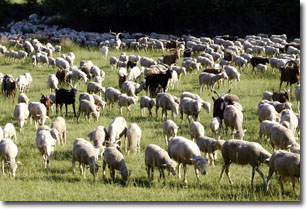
x=297 y=96
x=215 y=126
x=204 y=61
x=240 y=61
x=282 y=137
x=191 y=65
x=186 y=152
x=104 y=51
x=38 y=113
x=232 y=73
x=59 y=125
x=258 y=60
x=99 y=136
x=179 y=70
x=87 y=108
x=148 y=102
x=170 y=129
x=155 y=156
x=267 y=112
x=8 y=153
x=205 y=105
x=94 y=87
x=133 y=137
x=86 y=96
x=289 y=116
x=131 y=88
x=265 y=127
x=99 y=102
x=261 y=68
x=285 y=164
x=209 y=146
x=62 y=63
x=134 y=73
x=267 y=96
x=53 y=82
x=196 y=130
x=113 y=62
x=111 y=96
x=233 y=118
x=243 y=153
x=166 y=102
x=126 y=101
x=21 y=114
x=190 y=107
x=210 y=80
x=45 y=144
x=77 y=75
x=293 y=50
x=22 y=98
x=115 y=161
x=147 y=62
x=85 y=154
x=116 y=129
x=22 y=83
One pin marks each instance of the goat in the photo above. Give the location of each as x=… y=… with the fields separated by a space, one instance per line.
x=171 y=58
x=64 y=96
x=61 y=75
x=153 y=80
x=258 y=60
x=46 y=101
x=281 y=97
x=290 y=74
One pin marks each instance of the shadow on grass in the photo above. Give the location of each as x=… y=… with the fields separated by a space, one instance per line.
x=62 y=155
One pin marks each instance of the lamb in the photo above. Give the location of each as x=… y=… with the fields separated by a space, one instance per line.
x=282 y=137
x=179 y=70
x=267 y=112
x=99 y=102
x=22 y=98
x=286 y=165
x=117 y=128
x=265 y=127
x=215 y=126
x=297 y=96
x=191 y=65
x=53 y=82
x=38 y=113
x=186 y=152
x=289 y=116
x=190 y=107
x=243 y=153
x=205 y=105
x=210 y=80
x=60 y=126
x=155 y=156
x=8 y=153
x=148 y=102
x=233 y=118
x=166 y=102
x=21 y=114
x=267 y=96
x=170 y=129
x=111 y=96
x=113 y=62
x=9 y=131
x=115 y=161
x=126 y=101
x=87 y=108
x=261 y=68
x=134 y=73
x=104 y=51
x=196 y=130
x=209 y=146
x=85 y=154
x=133 y=137
x=131 y=88
x=94 y=87
x=99 y=136
x=232 y=74
x=45 y=144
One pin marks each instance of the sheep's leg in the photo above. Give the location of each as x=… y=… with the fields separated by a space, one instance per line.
x=166 y=140
x=120 y=110
x=281 y=180
x=293 y=183
x=156 y=110
x=112 y=174
x=197 y=175
x=74 y=166
x=2 y=165
x=261 y=174
x=252 y=176
x=141 y=111
x=149 y=172
x=211 y=158
x=162 y=174
x=84 y=170
x=104 y=167
x=228 y=173
x=179 y=170
x=185 y=173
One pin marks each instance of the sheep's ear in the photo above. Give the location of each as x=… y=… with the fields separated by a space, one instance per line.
x=266 y=160
x=213 y=98
x=47 y=117
x=163 y=165
x=289 y=146
x=19 y=163
x=244 y=131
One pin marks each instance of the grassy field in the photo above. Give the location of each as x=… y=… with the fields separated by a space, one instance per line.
x=33 y=183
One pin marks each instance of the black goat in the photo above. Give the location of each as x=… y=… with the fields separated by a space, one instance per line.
x=290 y=74
x=187 y=52
x=152 y=81
x=258 y=60
x=130 y=64
x=64 y=96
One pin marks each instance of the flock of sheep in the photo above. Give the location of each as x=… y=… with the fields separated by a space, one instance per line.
x=221 y=58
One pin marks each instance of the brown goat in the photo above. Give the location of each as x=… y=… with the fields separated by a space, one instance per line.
x=171 y=58
x=61 y=75
x=122 y=79
x=281 y=97
x=86 y=70
x=9 y=86
x=214 y=70
x=47 y=102
x=290 y=74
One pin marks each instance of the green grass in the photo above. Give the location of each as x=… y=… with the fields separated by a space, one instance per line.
x=33 y=183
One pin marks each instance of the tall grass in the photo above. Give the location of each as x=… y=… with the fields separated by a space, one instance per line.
x=33 y=183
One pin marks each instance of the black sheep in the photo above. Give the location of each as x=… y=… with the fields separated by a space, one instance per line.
x=64 y=96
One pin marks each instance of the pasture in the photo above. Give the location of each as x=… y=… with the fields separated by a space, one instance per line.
x=33 y=183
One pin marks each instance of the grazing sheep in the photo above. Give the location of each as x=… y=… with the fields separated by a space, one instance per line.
x=87 y=108
x=85 y=154
x=210 y=80
x=261 y=68
x=191 y=65
x=148 y=102
x=111 y=96
x=86 y=96
x=133 y=137
x=117 y=128
x=196 y=130
x=105 y=51
x=166 y=102
x=232 y=74
x=170 y=129
x=53 y=82
x=99 y=136
x=115 y=161
x=186 y=152
x=267 y=96
x=285 y=164
x=45 y=144
x=22 y=98
x=209 y=146
x=132 y=88
x=190 y=107
x=233 y=118
x=282 y=137
x=8 y=153
x=99 y=102
x=155 y=156
x=126 y=101
x=215 y=126
x=94 y=87
x=60 y=125
x=113 y=62
x=267 y=112
x=9 y=131
x=243 y=153
x=21 y=114
x=265 y=127
x=289 y=116
x=38 y=113
x=205 y=105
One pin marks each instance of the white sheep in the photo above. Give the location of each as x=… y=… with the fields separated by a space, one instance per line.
x=170 y=129
x=267 y=96
x=148 y=102
x=210 y=80
x=115 y=161
x=191 y=65
x=289 y=116
x=132 y=88
x=196 y=130
x=116 y=129
x=166 y=102
x=155 y=156
x=147 y=62
x=77 y=75
x=53 y=82
x=293 y=50
x=261 y=68
x=113 y=62
x=21 y=114
x=282 y=137
x=133 y=137
x=87 y=108
x=215 y=126
x=243 y=153
x=240 y=61
x=267 y=112
x=59 y=125
x=190 y=107
x=22 y=83
x=204 y=61
x=85 y=154
x=285 y=164
x=22 y=98
x=38 y=113
x=179 y=70
x=93 y=87
x=126 y=101
x=104 y=51
x=232 y=73
x=186 y=152
x=99 y=136
x=9 y=131
x=99 y=102
x=209 y=146
x=45 y=144
x=134 y=73
x=8 y=153
x=265 y=127
x=233 y=118
x=111 y=96
x=205 y=105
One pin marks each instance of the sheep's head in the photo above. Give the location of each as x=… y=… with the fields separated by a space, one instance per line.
x=199 y=163
x=125 y=173
x=171 y=166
